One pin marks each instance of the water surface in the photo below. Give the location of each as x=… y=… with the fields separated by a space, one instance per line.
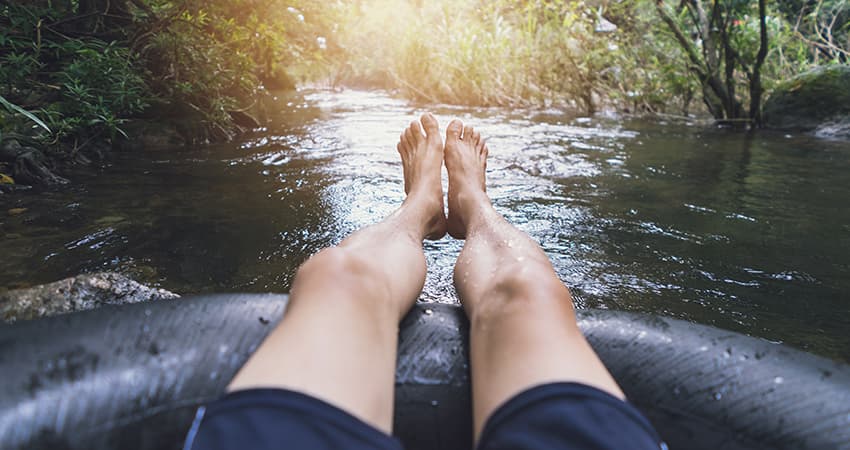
x=749 y=233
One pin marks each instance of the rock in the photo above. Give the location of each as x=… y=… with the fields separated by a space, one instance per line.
x=80 y=293
x=810 y=100
x=109 y=220
x=6 y=188
x=278 y=80
x=838 y=129
x=603 y=25
x=150 y=135
x=29 y=166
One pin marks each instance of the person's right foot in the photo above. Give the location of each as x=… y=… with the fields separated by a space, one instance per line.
x=422 y=159
x=466 y=163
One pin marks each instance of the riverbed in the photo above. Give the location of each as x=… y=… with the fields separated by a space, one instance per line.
x=744 y=232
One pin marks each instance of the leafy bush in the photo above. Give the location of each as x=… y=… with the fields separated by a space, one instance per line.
x=100 y=87
x=88 y=67
x=83 y=87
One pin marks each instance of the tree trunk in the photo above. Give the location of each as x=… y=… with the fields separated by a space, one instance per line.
x=755 y=79
x=707 y=68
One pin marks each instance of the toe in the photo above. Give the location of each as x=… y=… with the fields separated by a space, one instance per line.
x=468 y=131
x=415 y=132
x=481 y=144
x=453 y=130
x=408 y=136
x=432 y=128
x=476 y=138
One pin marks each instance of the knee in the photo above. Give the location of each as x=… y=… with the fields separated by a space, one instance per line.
x=526 y=281
x=338 y=268
x=530 y=288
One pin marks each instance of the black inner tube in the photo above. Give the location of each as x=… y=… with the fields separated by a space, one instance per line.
x=131 y=377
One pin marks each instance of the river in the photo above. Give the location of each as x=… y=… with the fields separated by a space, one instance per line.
x=744 y=232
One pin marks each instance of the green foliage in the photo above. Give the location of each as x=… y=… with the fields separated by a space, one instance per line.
x=88 y=67
x=84 y=87
x=214 y=57
x=17 y=109
x=788 y=55
x=100 y=87
x=824 y=25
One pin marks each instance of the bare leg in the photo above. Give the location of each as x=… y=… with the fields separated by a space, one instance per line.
x=337 y=341
x=523 y=330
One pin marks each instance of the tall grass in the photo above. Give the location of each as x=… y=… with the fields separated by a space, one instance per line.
x=484 y=52
x=540 y=52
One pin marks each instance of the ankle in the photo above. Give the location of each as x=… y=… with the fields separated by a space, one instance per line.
x=473 y=207
x=420 y=219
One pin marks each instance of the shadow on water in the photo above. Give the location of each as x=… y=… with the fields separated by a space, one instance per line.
x=748 y=233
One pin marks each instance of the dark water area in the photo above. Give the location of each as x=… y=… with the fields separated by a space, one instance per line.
x=747 y=233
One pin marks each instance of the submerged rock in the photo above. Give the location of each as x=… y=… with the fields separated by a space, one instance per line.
x=810 y=100
x=837 y=129
x=80 y=293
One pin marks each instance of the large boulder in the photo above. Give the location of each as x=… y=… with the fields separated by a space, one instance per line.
x=810 y=100
x=29 y=165
x=83 y=292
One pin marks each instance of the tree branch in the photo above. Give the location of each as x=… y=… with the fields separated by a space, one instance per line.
x=683 y=41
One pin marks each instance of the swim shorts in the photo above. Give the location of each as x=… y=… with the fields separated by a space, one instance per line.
x=550 y=416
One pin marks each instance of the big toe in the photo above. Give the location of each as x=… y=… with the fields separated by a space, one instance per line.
x=453 y=130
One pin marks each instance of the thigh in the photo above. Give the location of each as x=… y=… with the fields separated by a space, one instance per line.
x=336 y=351
x=337 y=342
x=273 y=419
x=568 y=416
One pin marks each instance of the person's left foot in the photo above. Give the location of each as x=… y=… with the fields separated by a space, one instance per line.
x=422 y=159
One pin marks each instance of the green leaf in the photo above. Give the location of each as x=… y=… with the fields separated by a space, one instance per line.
x=15 y=108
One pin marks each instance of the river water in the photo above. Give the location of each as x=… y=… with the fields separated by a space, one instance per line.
x=748 y=233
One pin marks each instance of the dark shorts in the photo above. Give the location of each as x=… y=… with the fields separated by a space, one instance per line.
x=551 y=416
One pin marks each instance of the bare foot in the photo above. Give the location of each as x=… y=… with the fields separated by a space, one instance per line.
x=422 y=160
x=466 y=162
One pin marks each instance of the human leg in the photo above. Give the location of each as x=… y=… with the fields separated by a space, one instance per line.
x=337 y=340
x=523 y=331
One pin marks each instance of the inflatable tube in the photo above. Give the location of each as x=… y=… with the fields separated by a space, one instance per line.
x=130 y=377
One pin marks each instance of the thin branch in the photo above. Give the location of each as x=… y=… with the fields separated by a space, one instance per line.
x=683 y=41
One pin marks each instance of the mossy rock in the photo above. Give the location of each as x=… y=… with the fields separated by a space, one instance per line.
x=810 y=99
x=80 y=293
